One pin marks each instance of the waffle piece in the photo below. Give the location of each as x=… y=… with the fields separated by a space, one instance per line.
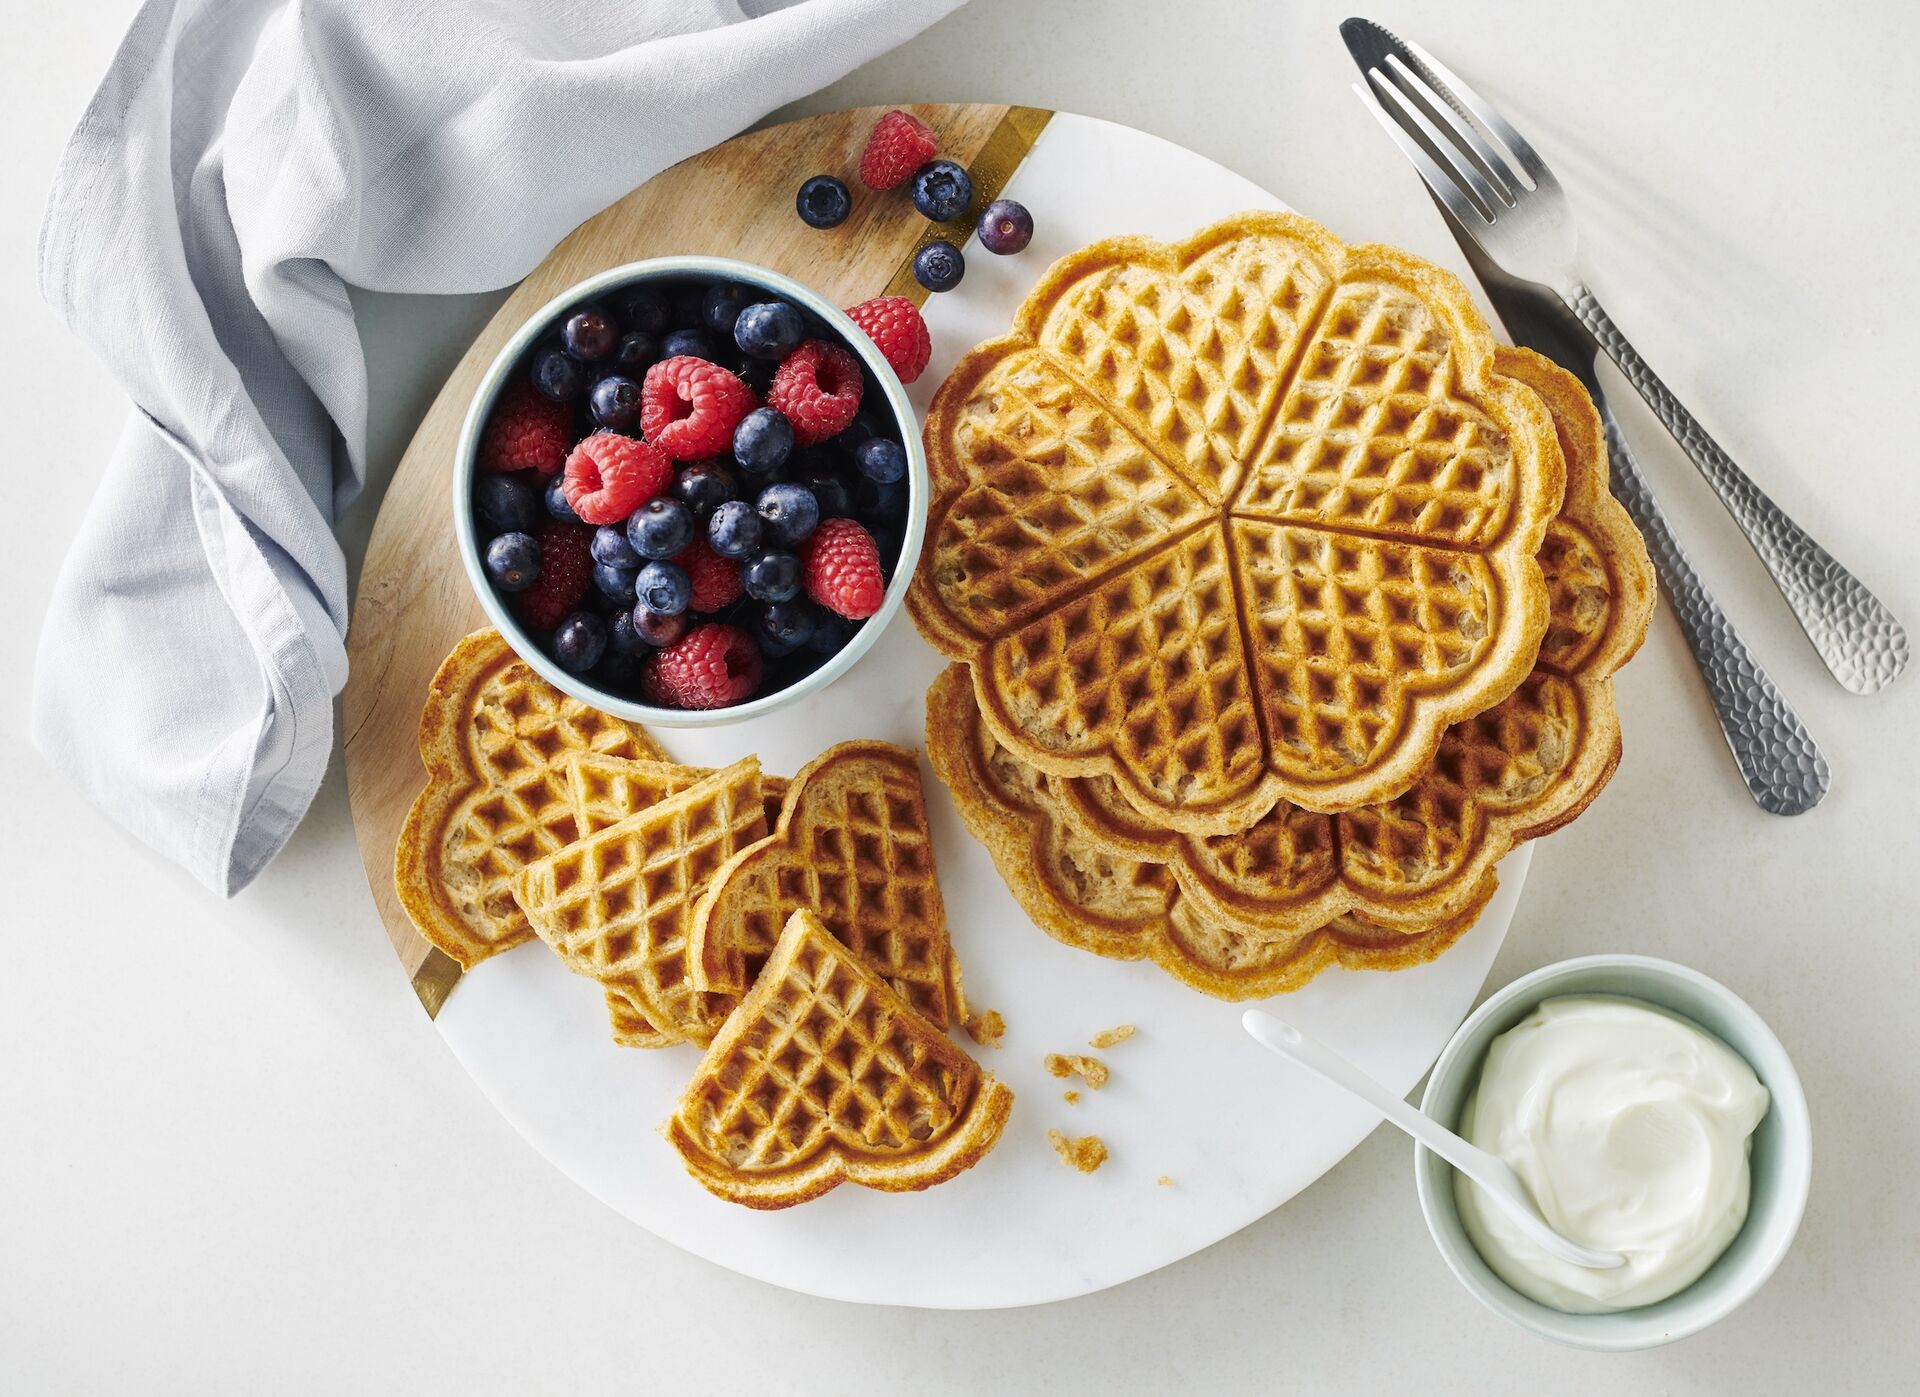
x=1127 y=908
x=605 y=790
x=491 y=737
x=618 y=905
x=632 y=1026
x=1241 y=519
x=823 y=1074
x=852 y=846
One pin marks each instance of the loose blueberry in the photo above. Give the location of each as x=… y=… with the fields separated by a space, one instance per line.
x=589 y=335
x=829 y=492
x=641 y=309
x=610 y=546
x=790 y=513
x=763 y=440
x=580 y=641
x=1005 y=227
x=823 y=202
x=615 y=402
x=656 y=628
x=769 y=330
x=772 y=577
x=722 y=304
x=787 y=623
x=881 y=460
x=557 y=503
x=706 y=485
x=831 y=632
x=693 y=343
x=622 y=638
x=513 y=561
x=558 y=375
x=664 y=587
x=638 y=351
x=939 y=266
x=660 y=528
x=506 y=503
x=734 y=530
x=615 y=584
x=876 y=501
x=942 y=190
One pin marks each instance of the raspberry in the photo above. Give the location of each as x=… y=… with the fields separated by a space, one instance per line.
x=817 y=388
x=609 y=476
x=716 y=580
x=526 y=431
x=842 y=567
x=713 y=666
x=689 y=407
x=566 y=567
x=899 y=145
x=894 y=324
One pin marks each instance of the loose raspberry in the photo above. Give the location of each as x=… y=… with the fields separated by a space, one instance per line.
x=894 y=324
x=817 y=388
x=842 y=567
x=713 y=666
x=609 y=476
x=716 y=580
x=526 y=431
x=899 y=145
x=566 y=567
x=689 y=407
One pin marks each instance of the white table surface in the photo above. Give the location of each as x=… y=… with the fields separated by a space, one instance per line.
x=234 y=1155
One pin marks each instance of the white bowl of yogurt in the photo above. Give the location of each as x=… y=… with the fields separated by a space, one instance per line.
x=1651 y=1112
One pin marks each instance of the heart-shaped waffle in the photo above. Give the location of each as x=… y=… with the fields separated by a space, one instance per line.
x=1240 y=519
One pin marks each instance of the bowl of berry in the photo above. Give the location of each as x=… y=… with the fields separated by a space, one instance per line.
x=690 y=490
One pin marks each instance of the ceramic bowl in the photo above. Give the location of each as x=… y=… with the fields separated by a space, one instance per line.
x=1781 y=1161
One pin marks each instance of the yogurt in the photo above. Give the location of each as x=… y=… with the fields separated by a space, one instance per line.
x=1631 y=1128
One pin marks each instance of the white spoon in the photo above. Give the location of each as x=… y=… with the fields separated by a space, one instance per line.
x=1492 y=1173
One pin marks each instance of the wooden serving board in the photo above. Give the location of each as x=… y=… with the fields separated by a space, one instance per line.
x=735 y=200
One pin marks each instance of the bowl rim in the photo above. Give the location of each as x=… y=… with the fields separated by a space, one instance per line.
x=679 y=267
x=1433 y=1179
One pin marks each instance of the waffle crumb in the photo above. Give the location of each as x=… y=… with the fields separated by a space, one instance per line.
x=1087 y=1153
x=1070 y=1097
x=1165 y=1181
x=1108 y=1037
x=986 y=1029
x=1091 y=1069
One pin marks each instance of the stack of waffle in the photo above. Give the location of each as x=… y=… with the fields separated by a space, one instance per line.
x=1284 y=603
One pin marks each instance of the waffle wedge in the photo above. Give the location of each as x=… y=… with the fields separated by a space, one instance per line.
x=605 y=790
x=618 y=905
x=824 y=1074
x=852 y=846
x=1236 y=520
x=491 y=737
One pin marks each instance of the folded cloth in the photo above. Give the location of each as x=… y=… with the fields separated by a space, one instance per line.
x=242 y=162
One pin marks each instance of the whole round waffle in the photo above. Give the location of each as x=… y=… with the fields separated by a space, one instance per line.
x=1236 y=520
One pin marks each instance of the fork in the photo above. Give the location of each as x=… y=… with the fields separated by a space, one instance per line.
x=1511 y=204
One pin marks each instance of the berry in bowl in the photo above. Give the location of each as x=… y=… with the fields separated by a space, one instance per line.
x=689 y=490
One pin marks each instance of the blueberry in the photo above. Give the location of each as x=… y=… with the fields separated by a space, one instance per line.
x=557 y=503
x=824 y=202
x=660 y=528
x=615 y=584
x=513 y=561
x=642 y=309
x=881 y=460
x=722 y=304
x=862 y=428
x=829 y=492
x=789 y=512
x=638 y=351
x=615 y=402
x=589 y=335
x=939 y=266
x=787 y=623
x=693 y=343
x=664 y=587
x=769 y=330
x=706 y=485
x=610 y=546
x=656 y=628
x=942 y=190
x=763 y=440
x=579 y=641
x=734 y=530
x=622 y=638
x=876 y=501
x=771 y=577
x=506 y=502
x=831 y=631
x=1005 y=227
x=558 y=375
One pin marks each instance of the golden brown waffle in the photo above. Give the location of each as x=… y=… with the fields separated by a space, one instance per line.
x=606 y=789
x=852 y=846
x=822 y=1075
x=632 y=1028
x=491 y=737
x=618 y=905
x=1244 y=518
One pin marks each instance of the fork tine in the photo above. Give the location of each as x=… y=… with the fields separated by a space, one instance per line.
x=1444 y=189
x=1446 y=156
x=1464 y=99
x=1491 y=164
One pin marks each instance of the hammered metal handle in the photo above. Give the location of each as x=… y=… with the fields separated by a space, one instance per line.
x=1777 y=756
x=1857 y=636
